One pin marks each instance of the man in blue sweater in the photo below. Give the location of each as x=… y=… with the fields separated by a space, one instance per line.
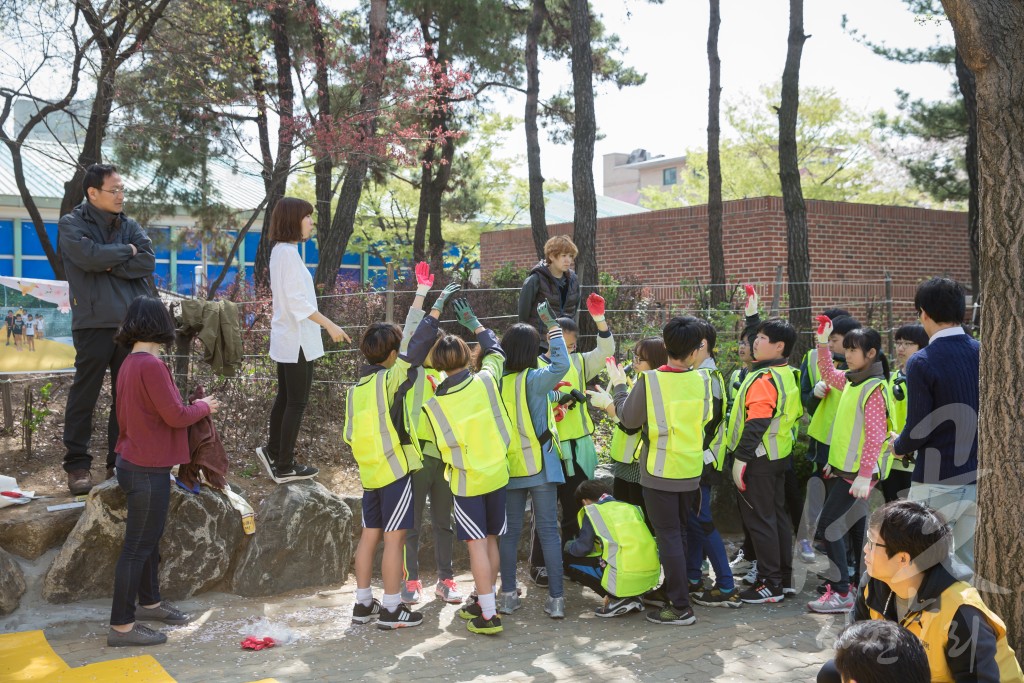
x=942 y=415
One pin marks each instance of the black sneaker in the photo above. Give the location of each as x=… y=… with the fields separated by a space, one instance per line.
x=762 y=592
x=295 y=473
x=655 y=597
x=669 y=615
x=139 y=635
x=400 y=617
x=470 y=610
x=263 y=457
x=165 y=612
x=539 y=575
x=619 y=606
x=715 y=597
x=488 y=627
x=362 y=614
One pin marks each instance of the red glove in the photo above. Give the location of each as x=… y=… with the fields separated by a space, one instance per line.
x=561 y=384
x=595 y=304
x=750 y=307
x=253 y=643
x=559 y=412
x=824 y=329
x=424 y=280
x=749 y=289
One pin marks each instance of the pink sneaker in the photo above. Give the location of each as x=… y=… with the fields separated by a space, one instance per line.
x=832 y=602
x=411 y=593
x=448 y=591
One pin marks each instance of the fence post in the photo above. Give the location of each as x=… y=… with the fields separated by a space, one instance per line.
x=888 y=314
x=776 y=293
x=389 y=295
x=5 y=392
x=26 y=423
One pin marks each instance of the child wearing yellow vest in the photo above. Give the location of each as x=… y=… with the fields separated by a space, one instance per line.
x=378 y=427
x=907 y=554
x=909 y=340
x=428 y=480
x=472 y=433
x=858 y=455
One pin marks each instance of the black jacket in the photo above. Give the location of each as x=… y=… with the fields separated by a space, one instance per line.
x=540 y=286
x=103 y=276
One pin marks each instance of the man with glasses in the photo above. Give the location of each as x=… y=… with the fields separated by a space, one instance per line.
x=108 y=260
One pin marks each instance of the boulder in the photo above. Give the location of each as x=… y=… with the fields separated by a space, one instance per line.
x=12 y=583
x=29 y=530
x=201 y=536
x=303 y=538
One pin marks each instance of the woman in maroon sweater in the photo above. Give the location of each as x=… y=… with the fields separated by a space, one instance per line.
x=153 y=438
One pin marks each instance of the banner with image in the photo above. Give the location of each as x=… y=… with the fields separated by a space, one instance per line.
x=36 y=333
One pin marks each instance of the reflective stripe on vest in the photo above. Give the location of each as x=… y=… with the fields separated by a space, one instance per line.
x=778 y=438
x=525 y=453
x=675 y=430
x=627 y=548
x=625 y=447
x=824 y=419
x=717 y=446
x=577 y=423
x=847 y=445
x=374 y=438
x=474 y=442
x=813 y=371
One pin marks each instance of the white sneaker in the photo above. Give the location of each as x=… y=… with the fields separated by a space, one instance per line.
x=412 y=592
x=806 y=551
x=448 y=591
x=509 y=602
x=751 y=578
x=832 y=602
x=739 y=562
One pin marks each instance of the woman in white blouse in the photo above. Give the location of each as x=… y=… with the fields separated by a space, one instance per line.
x=295 y=341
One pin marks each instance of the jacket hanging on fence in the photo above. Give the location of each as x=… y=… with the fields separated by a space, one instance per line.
x=217 y=325
x=206 y=451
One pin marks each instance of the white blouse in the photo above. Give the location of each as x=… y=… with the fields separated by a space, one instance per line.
x=294 y=301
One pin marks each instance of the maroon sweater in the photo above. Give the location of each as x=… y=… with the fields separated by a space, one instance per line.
x=150 y=414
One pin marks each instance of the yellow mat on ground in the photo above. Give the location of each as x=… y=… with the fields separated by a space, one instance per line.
x=141 y=669
x=26 y=656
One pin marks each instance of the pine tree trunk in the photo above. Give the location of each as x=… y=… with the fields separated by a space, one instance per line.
x=968 y=89
x=538 y=221
x=988 y=36
x=335 y=235
x=716 y=252
x=798 y=260
x=584 y=196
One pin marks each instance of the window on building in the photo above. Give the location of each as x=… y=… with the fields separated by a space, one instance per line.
x=669 y=177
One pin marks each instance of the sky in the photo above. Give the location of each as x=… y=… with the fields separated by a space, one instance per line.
x=668 y=114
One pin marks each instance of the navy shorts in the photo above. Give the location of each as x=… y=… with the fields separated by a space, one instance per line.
x=477 y=517
x=389 y=508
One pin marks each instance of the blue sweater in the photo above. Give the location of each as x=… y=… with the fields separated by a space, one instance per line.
x=942 y=411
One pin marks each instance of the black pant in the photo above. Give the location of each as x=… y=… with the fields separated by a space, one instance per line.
x=138 y=567
x=669 y=514
x=585 y=570
x=95 y=351
x=632 y=493
x=763 y=506
x=794 y=499
x=842 y=515
x=896 y=485
x=569 y=525
x=294 y=381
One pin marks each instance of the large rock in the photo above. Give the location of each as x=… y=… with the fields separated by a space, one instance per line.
x=202 y=533
x=29 y=530
x=12 y=584
x=302 y=539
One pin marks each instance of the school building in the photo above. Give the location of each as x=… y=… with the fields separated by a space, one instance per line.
x=852 y=246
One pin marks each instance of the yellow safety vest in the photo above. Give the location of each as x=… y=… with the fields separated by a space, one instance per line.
x=824 y=418
x=473 y=436
x=526 y=451
x=577 y=422
x=718 y=443
x=422 y=391
x=778 y=438
x=385 y=452
x=899 y=420
x=847 y=445
x=630 y=554
x=732 y=387
x=678 y=409
x=931 y=626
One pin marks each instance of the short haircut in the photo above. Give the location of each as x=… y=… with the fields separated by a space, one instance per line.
x=379 y=340
x=779 y=330
x=844 y=324
x=682 y=335
x=913 y=333
x=556 y=246
x=568 y=325
x=95 y=175
x=906 y=526
x=521 y=344
x=710 y=335
x=652 y=350
x=879 y=651
x=834 y=313
x=943 y=299
x=591 y=489
x=286 y=220
x=451 y=354
x=867 y=339
x=147 y=320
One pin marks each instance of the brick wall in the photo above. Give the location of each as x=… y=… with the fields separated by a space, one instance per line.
x=851 y=246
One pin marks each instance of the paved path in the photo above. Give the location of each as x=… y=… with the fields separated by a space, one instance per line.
x=755 y=643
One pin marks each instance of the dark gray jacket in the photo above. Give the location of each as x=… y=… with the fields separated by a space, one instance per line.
x=102 y=274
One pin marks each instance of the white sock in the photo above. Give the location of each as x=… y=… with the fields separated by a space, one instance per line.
x=364 y=596
x=488 y=606
x=390 y=602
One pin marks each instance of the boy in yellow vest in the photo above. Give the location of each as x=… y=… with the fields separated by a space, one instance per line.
x=614 y=555
x=907 y=555
x=378 y=427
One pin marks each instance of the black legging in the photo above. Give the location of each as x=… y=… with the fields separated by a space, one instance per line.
x=294 y=381
x=138 y=567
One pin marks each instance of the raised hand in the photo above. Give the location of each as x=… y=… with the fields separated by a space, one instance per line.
x=616 y=374
x=599 y=398
x=595 y=305
x=547 y=318
x=424 y=280
x=445 y=294
x=750 y=308
x=464 y=314
x=824 y=329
